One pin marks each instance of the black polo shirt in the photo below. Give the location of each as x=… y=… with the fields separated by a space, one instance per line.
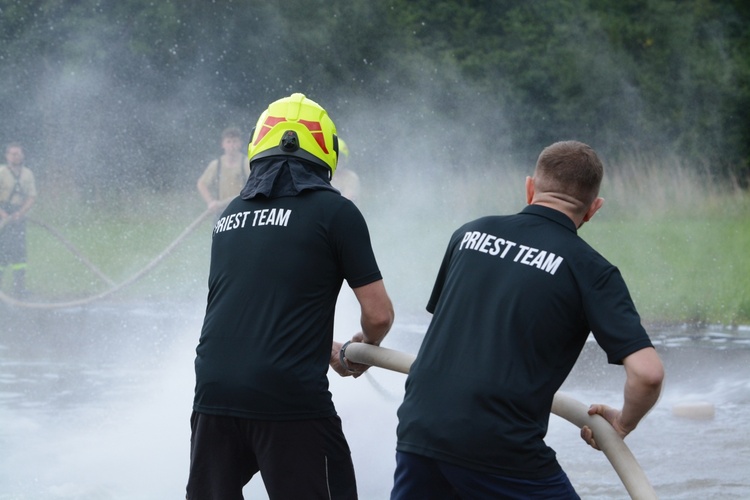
x=514 y=301
x=277 y=266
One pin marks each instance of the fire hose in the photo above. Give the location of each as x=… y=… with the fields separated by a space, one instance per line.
x=617 y=452
x=113 y=286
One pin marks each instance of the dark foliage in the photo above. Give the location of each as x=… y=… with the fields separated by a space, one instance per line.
x=137 y=91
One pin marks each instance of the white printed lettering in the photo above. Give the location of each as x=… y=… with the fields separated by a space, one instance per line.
x=538 y=260
x=467 y=237
x=488 y=239
x=496 y=246
x=530 y=253
x=510 y=244
x=552 y=263
x=272 y=217
x=521 y=250
x=282 y=219
x=473 y=240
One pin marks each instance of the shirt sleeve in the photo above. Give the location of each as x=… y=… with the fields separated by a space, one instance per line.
x=613 y=318
x=437 y=288
x=354 y=247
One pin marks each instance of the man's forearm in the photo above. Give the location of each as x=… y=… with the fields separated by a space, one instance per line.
x=639 y=399
x=645 y=373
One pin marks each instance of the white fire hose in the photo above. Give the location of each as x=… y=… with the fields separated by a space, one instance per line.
x=617 y=452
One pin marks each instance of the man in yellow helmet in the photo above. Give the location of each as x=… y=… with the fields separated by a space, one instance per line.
x=280 y=253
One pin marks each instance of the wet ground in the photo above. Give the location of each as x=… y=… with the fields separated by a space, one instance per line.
x=94 y=404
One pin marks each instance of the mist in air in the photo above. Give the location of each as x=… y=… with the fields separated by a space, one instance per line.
x=95 y=399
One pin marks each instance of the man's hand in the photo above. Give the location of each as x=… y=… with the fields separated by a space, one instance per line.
x=349 y=369
x=335 y=361
x=612 y=416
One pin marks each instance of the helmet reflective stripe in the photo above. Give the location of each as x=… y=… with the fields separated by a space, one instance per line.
x=317 y=132
x=310 y=123
x=267 y=126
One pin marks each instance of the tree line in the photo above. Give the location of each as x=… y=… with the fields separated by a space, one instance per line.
x=138 y=90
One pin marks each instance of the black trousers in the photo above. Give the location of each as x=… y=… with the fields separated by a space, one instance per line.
x=307 y=459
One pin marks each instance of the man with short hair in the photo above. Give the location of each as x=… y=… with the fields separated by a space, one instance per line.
x=225 y=176
x=513 y=304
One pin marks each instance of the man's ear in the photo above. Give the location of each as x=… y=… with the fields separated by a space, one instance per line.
x=529 y=189
x=595 y=206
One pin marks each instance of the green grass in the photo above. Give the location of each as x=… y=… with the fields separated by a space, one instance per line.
x=681 y=243
x=691 y=270
x=119 y=237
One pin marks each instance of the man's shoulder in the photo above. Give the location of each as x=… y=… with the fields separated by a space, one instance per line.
x=327 y=195
x=5 y=172
x=337 y=207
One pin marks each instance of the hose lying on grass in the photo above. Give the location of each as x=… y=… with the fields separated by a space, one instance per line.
x=113 y=287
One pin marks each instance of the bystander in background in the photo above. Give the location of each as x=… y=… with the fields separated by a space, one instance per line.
x=17 y=195
x=225 y=176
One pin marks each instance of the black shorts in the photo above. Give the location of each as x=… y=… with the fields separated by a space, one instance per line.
x=297 y=459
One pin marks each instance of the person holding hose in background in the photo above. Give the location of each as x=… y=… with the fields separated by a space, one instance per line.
x=280 y=253
x=513 y=304
x=17 y=195
x=225 y=176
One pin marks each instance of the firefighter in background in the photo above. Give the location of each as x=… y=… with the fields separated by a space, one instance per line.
x=17 y=195
x=225 y=176
x=345 y=180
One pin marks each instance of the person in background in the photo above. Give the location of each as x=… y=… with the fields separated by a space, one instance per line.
x=514 y=301
x=346 y=180
x=17 y=195
x=225 y=176
x=279 y=256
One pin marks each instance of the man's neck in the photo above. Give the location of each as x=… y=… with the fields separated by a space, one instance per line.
x=561 y=206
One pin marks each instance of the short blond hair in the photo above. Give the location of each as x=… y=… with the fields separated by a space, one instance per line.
x=571 y=168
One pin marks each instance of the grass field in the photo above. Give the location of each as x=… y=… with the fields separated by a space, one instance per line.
x=680 y=243
x=120 y=238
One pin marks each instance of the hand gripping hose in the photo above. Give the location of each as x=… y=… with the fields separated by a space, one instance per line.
x=617 y=452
